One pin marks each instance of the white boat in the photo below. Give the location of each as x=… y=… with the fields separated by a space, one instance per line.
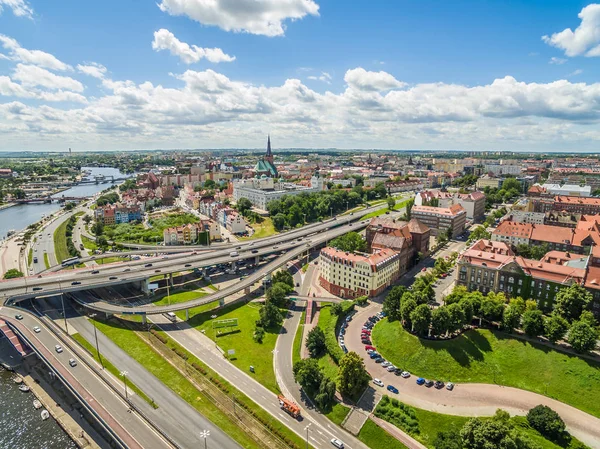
x=37 y=404
x=45 y=415
x=17 y=379
x=24 y=388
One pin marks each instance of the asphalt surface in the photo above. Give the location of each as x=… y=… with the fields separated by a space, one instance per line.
x=129 y=426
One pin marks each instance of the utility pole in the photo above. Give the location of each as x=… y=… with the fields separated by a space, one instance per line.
x=124 y=374
x=62 y=300
x=93 y=315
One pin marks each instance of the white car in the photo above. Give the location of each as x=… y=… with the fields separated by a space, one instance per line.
x=36 y=329
x=337 y=443
x=386 y=364
x=449 y=386
x=391 y=368
x=405 y=374
x=58 y=348
x=378 y=382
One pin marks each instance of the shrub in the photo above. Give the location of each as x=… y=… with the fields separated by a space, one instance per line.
x=546 y=421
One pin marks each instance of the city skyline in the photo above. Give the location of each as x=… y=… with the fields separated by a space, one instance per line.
x=312 y=73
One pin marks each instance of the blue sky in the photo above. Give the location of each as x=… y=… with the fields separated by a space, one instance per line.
x=313 y=73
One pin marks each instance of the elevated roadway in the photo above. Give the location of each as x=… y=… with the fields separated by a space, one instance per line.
x=128 y=429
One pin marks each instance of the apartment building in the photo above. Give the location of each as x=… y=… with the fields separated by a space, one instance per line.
x=571 y=204
x=117 y=214
x=231 y=220
x=493 y=182
x=350 y=275
x=473 y=202
x=190 y=233
x=440 y=219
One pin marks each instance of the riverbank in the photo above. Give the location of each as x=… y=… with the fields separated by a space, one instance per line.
x=7 y=205
x=44 y=393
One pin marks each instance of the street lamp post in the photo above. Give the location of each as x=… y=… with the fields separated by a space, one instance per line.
x=124 y=374
x=214 y=328
x=93 y=315
x=205 y=434
x=331 y=212
x=62 y=300
x=307 y=427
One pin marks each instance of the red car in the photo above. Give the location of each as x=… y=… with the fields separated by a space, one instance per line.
x=367 y=347
x=366 y=332
x=424 y=269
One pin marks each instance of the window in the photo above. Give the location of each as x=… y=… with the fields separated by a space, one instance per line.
x=520 y=281
x=502 y=278
x=511 y=280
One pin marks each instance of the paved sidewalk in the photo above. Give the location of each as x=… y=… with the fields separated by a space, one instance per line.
x=401 y=436
x=363 y=409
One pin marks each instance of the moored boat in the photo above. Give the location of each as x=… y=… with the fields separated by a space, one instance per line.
x=24 y=388
x=37 y=404
x=45 y=415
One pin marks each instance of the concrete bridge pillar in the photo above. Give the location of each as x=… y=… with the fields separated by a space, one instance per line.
x=247 y=291
x=144 y=321
x=170 y=279
x=144 y=286
x=221 y=302
x=256 y=260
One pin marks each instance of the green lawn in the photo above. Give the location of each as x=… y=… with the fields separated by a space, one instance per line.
x=184 y=296
x=264 y=229
x=494 y=357
x=60 y=242
x=111 y=368
x=382 y=211
x=377 y=438
x=329 y=367
x=89 y=244
x=173 y=379
x=30 y=257
x=338 y=413
x=247 y=351
x=424 y=426
x=46 y=260
x=297 y=347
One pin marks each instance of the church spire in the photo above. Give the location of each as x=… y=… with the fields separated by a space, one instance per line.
x=269 y=153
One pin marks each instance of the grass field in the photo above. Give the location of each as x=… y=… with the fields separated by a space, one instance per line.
x=89 y=244
x=424 y=426
x=111 y=368
x=46 y=260
x=30 y=257
x=60 y=242
x=247 y=351
x=264 y=229
x=297 y=346
x=185 y=296
x=173 y=379
x=494 y=357
x=382 y=211
x=338 y=413
x=377 y=438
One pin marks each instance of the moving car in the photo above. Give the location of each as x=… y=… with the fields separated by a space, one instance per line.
x=148 y=265
x=72 y=362
x=378 y=382
x=126 y=270
x=35 y=289
x=157 y=271
x=95 y=272
x=254 y=251
x=18 y=316
x=58 y=348
x=337 y=443
x=76 y=283
x=112 y=278
x=36 y=329
x=392 y=389
x=187 y=265
x=420 y=381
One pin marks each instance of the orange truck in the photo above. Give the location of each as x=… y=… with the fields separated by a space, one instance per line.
x=289 y=406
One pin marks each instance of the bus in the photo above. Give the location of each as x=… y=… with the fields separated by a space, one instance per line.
x=70 y=261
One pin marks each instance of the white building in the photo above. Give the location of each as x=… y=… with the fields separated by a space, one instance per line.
x=521 y=216
x=503 y=169
x=567 y=189
x=260 y=194
x=231 y=220
x=350 y=275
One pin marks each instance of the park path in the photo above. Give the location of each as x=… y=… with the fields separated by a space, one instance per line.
x=471 y=399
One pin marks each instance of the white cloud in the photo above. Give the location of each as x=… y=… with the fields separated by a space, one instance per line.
x=585 y=40
x=20 y=8
x=165 y=40
x=575 y=73
x=30 y=75
x=557 y=61
x=36 y=57
x=324 y=77
x=264 y=17
x=361 y=79
x=92 y=69
x=9 y=88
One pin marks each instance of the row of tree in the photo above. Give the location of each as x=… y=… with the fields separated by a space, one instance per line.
x=276 y=298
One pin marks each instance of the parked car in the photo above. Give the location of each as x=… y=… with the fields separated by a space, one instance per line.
x=420 y=381
x=379 y=359
x=438 y=384
x=392 y=389
x=378 y=382
x=367 y=347
x=391 y=368
x=386 y=364
x=449 y=386
x=429 y=383
x=405 y=374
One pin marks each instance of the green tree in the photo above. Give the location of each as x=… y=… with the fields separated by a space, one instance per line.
x=210 y=184
x=315 y=342
x=270 y=315
x=589 y=318
x=259 y=334
x=352 y=375
x=284 y=277
x=325 y=397
x=279 y=221
x=440 y=321
x=423 y=290
x=352 y=241
x=420 y=319
x=449 y=439
x=555 y=327
x=546 y=421
x=407 y=307
x=391 y=303
x=277 y=294
x=582 y=337
x=511 y=183
x=458 y=293
x=494 y=433
x=457 y=317
x=391 y=202
x=409 y=205
x=336 y=309
x=492 y=308
x=308 y=374
x=13 y=273
x=533 y=323
x=243 y=206
x=511 y=317
x=570 y=302
x=87 y=219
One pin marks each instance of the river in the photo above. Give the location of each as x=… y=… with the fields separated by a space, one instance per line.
x=21 y=426
x=20 y=216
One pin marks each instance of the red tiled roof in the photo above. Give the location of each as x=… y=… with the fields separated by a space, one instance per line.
x=415 y=226
x=514 y=229
x=451 y=211
x=551 y=234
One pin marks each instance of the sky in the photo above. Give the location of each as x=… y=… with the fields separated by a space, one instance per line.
x=365 y=74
